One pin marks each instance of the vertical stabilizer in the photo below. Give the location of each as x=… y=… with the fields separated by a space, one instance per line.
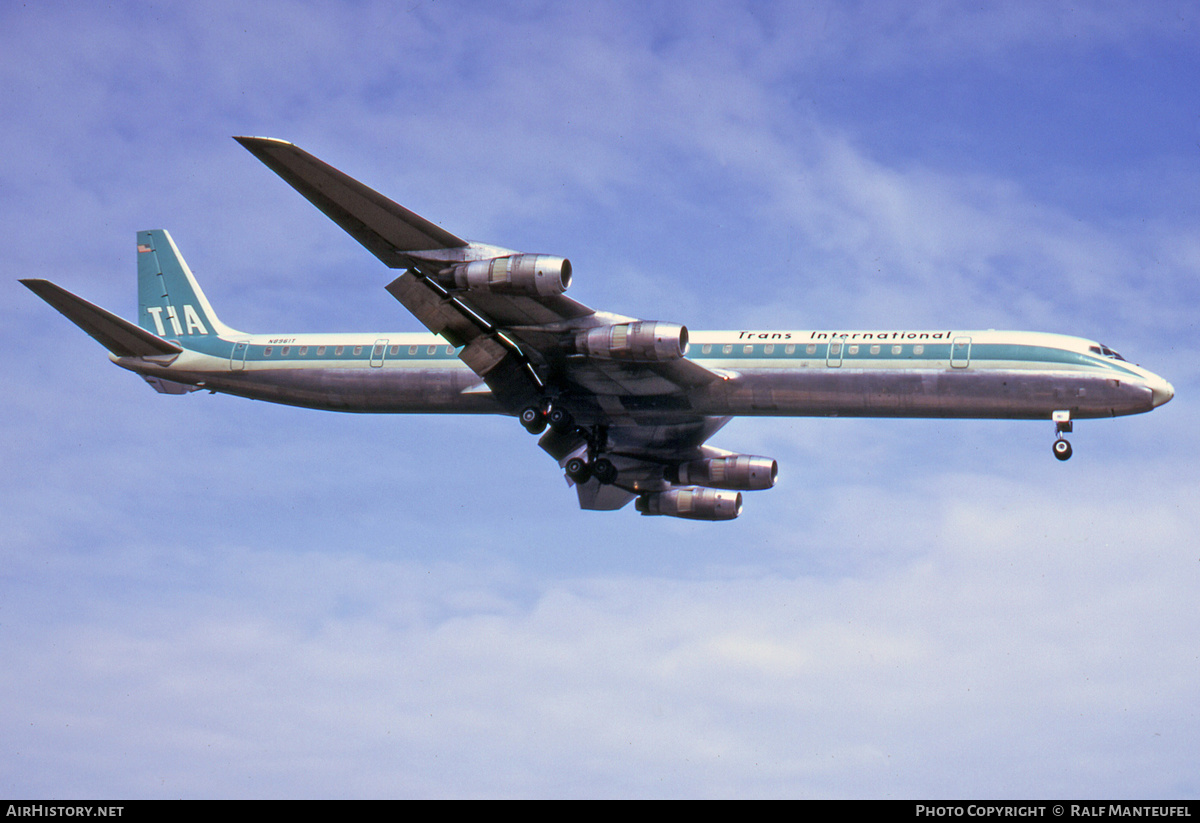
x=170 y=302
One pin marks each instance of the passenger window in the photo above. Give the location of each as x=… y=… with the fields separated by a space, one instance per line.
x=431 y=350
x=320 y=351
x=811 y=348
x=303 y=351
x=852 y=350
x=874 y=350
x=747 y=350
x=790 y=348
x=919 y=349
x=267 y=351
x=412 y=350
x=707 y=349
x=727 y=348
x=769 y=349
x=338 y=351
x=284 y=351
x=358 y=349
x=395 y=351
x=897 y=349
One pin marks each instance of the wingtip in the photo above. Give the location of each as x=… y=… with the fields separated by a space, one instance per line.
x=248 y=141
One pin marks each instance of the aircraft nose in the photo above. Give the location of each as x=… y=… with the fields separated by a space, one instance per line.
x=1160 y=391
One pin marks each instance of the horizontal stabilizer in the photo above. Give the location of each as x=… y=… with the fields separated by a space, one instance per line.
x=119 y=336
x=385 y=228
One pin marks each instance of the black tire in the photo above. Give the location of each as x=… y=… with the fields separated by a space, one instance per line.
x=560 y=419
x=533 y=420
x=604 y=471
x=578 y=470
x=1062 y=450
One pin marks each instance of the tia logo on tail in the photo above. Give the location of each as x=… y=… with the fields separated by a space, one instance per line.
x=190 y=317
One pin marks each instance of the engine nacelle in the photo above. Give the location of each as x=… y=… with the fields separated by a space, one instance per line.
x=744 y=472
x=536 y=274
x=694 y=503
x=643 y=341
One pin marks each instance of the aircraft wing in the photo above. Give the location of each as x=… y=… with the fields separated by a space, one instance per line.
x=385 y=228
x=621 y=384
x=512 y=334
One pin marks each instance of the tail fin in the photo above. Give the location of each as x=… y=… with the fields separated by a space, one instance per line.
x=170 y=302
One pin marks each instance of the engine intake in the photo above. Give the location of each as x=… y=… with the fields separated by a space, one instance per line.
x=693 y=503
x=643 y=341
x=744 y=472
x=536 y=274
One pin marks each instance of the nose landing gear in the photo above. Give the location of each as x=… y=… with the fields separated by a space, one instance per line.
x=1062 y=425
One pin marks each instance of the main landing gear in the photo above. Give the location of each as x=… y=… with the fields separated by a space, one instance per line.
x=579 y=469
x=1062 y=425
x=604 y=471
x=533 y=419
x=601 y=468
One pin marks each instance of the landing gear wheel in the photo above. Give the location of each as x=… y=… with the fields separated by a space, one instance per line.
x=604 y=471
x=533 y=419
x=578 y=470
x=560 y=419
x=1062 y=449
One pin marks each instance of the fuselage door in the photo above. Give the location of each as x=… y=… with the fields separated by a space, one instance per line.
x=960 y=353
x=378 y=351
x=837 y=350
x=237 y=358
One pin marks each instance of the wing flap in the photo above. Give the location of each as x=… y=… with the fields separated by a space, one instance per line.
x=483 y=347
x=119 y=336
x=433 y=310
x=611 y=377
x=384 y=227
x=518 y=310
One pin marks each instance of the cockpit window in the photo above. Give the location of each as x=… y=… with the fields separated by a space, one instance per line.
x=1105 y=351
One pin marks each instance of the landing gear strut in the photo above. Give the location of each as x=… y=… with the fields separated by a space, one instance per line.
x=1062 y=425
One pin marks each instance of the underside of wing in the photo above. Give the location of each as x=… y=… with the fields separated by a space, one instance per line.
x=666 y=466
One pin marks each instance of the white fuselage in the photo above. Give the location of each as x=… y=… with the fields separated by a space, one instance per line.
x=943 y=373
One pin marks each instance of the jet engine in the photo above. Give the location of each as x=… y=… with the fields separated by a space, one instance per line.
x=535 y=274
x=642 y=342
x=693 y=503
x=743 y=472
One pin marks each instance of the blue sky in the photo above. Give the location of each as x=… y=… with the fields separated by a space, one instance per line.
x=203 y=596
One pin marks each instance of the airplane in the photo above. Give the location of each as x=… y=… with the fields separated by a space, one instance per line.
x=625 y=406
